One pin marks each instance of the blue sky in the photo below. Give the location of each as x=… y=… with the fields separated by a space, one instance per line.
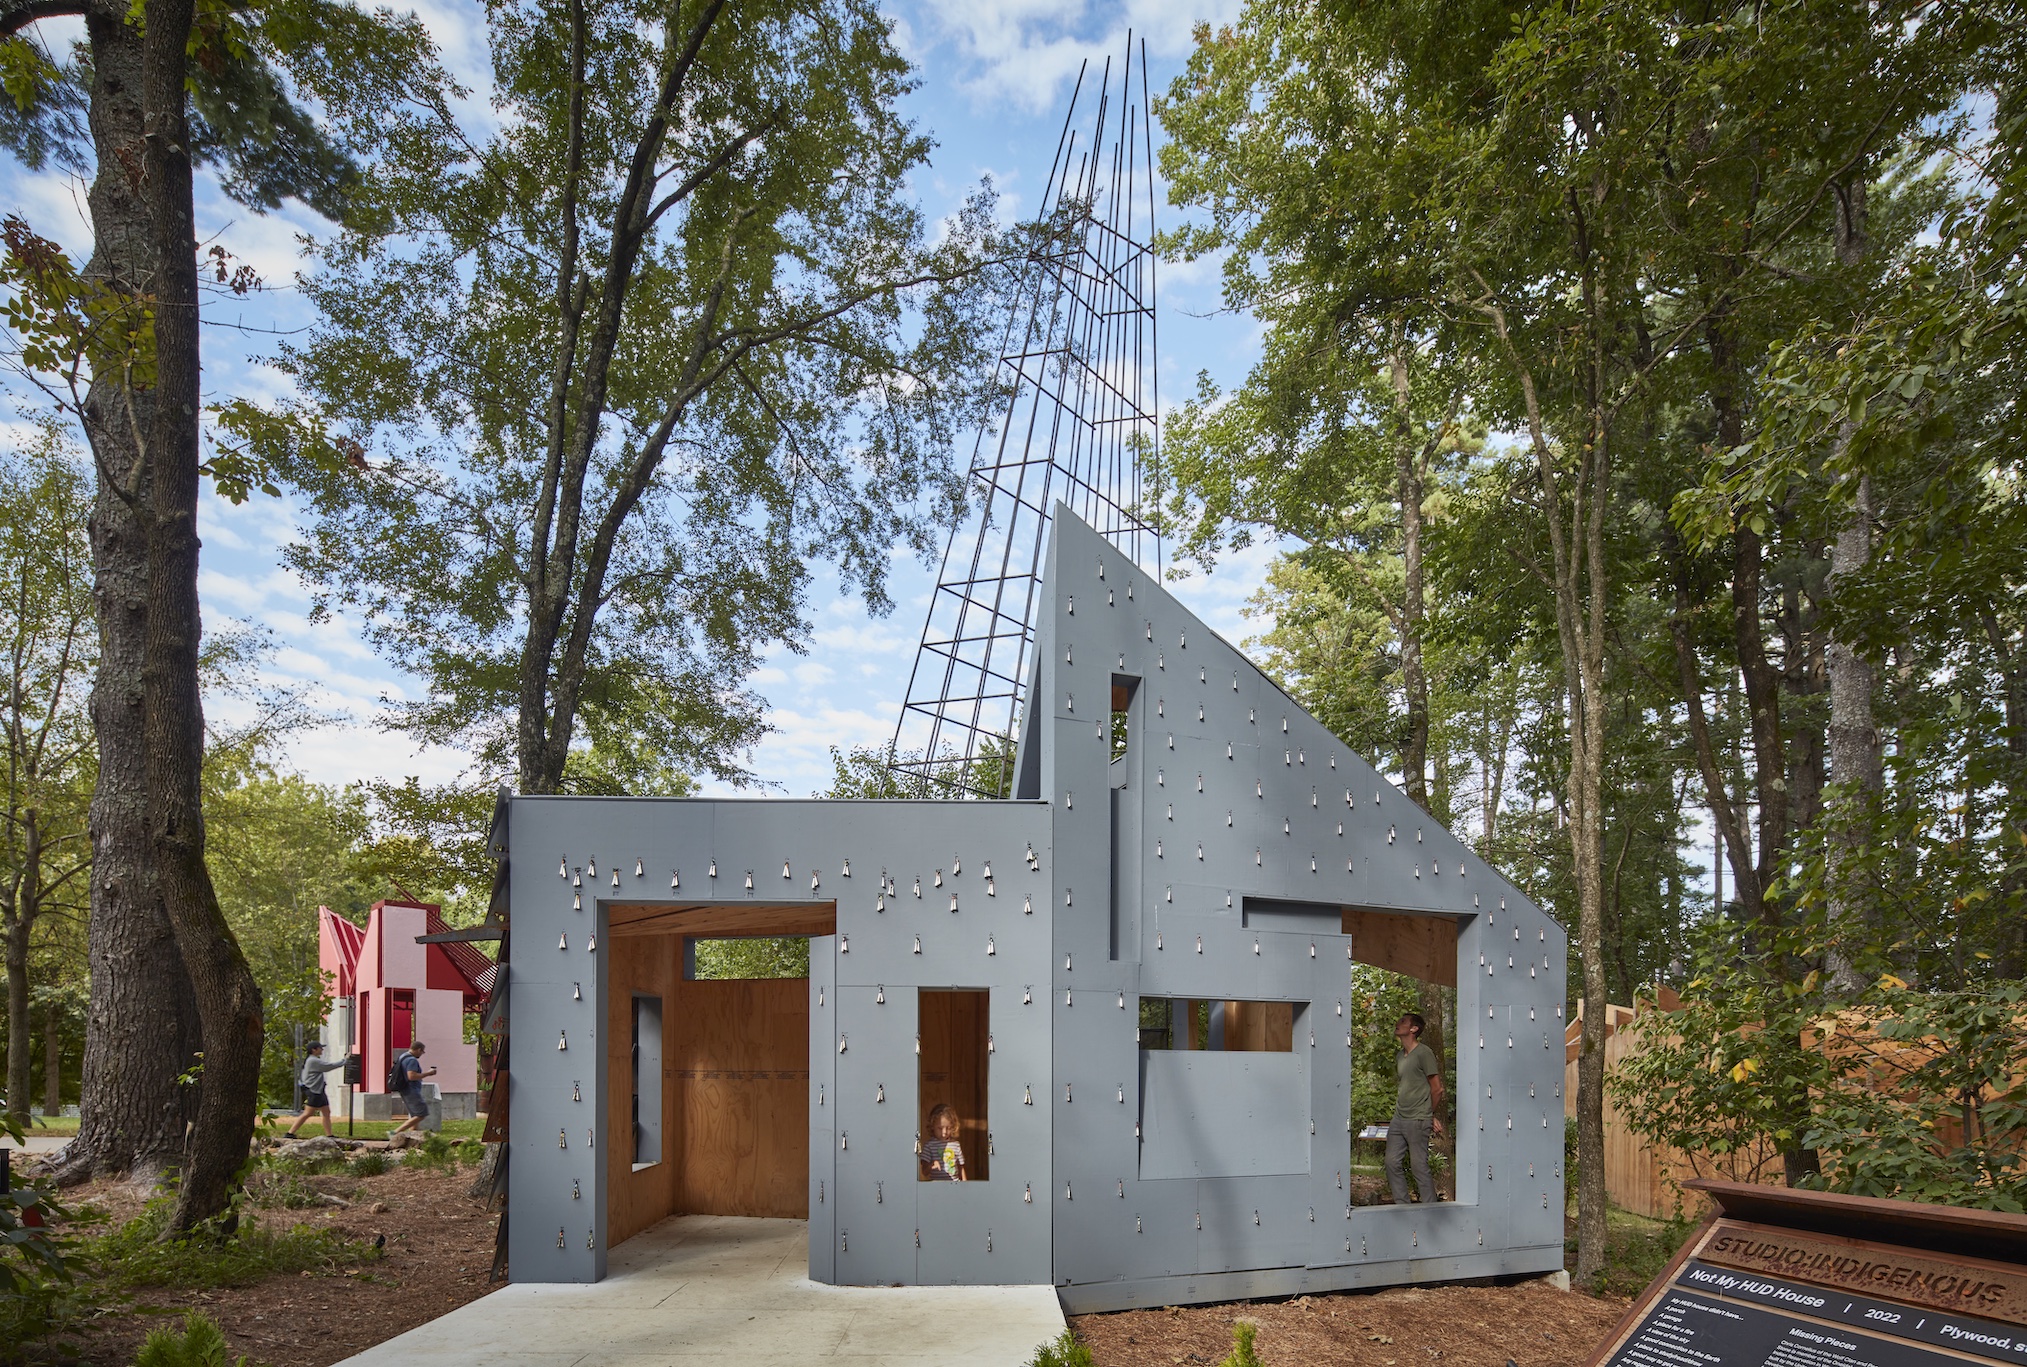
x=995 y=75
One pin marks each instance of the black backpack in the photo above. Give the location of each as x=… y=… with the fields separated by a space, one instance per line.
x=397 y=1074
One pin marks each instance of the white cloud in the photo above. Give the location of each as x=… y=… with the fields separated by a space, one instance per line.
x=1026 y=53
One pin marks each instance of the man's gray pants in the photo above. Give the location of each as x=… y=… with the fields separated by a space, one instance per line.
x=1409 y=1139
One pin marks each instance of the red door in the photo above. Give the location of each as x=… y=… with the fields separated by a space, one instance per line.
x=400 y=1022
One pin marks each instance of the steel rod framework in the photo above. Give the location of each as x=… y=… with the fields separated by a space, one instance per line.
x=1081 y=417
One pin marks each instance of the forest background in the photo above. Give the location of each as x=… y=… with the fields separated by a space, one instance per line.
x=1635 y=433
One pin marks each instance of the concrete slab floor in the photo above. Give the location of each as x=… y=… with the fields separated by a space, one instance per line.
x=698 y=1287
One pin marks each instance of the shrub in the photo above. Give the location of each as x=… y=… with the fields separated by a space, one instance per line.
x=200 y=1344
x=1569 y=1160
x=1242 y=1354
x=445 y=1154
x=369 y=1163
x=134 y=1255
x=38 y=1271
x=1061 y=1351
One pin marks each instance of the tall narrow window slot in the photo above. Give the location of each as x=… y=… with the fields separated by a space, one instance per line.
x=956 y=1037
x=1123 y=688
x=647 y=1081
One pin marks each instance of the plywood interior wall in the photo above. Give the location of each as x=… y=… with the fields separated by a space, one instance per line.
x=1260 y=1026
x=735 y=1093
x=956 y=1026
x=738 y=1056
x=1422 y=947
x=635 y=1200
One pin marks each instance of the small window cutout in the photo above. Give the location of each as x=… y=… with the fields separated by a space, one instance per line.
x=1231 y=1026
x=647 y=1081
x=956 y=1034
x=1123 y=687
x=755 y=956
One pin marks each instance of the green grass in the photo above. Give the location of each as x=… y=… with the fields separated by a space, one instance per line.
x=62 y=1124
x=1636 y=1249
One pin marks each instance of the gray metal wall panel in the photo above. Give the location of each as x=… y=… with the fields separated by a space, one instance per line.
x=876 y=1163
x=1217 y=1114
x=557 y=1187
x=1129 y=830
x=1099 y=1297
x=823 y=1242
x=1253 y=1222
x=1022 y=1170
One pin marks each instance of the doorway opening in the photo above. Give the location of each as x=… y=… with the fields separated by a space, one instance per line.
x=400 y=1022
x=720 y=1062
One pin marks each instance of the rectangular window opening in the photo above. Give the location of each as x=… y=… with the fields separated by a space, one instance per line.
x=1123 y=686
x=1182 y=1023
x=746 y=957
x=955 y=1039
x=647 y=1081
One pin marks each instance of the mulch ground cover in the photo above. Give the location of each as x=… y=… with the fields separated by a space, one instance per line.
x=438 y=1249
x=1530 y=1325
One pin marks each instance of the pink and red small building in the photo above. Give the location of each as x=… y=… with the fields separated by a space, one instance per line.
x=390 y=991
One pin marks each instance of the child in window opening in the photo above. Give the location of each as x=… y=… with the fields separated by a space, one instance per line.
x=942 y=1155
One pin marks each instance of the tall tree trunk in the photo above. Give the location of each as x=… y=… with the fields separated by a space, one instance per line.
x=229 y=1002
x=2009 y=958
x=18 y=918
x=1855 y=760
x=1408 y=481
x=1856 y=765
x=141 y=1033
x=1578 y=583
x=52 y=1060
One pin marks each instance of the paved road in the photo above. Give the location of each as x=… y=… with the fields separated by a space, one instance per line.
x=698 y=1288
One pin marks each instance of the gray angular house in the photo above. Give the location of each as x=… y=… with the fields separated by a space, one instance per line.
x=1229 y=866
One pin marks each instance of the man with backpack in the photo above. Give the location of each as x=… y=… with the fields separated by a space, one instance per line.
x=404 y=1079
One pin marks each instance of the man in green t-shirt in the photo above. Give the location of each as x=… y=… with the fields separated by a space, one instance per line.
x=1417 y=1103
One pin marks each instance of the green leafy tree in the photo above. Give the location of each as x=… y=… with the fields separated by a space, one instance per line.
x=617 y=369
x=117 y=343
x=46 y=631
x=281 y=848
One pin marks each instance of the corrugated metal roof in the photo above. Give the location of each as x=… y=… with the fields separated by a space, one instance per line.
x=348 y=939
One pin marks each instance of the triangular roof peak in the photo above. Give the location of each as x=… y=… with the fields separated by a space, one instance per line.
x=1209 y=729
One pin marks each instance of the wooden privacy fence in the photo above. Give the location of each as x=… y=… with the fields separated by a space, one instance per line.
x=1645 y=1178
x=1640 y=1176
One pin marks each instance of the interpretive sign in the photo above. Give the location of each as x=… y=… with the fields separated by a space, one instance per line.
x=1780 y=1278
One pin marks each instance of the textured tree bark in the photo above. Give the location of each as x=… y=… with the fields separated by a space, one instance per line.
x=229 y=1002
x=141 y=1035
x=18 y=1056
x=1855 y=762
x=18 y=917
x=2010 y=958
x=52 y=1061
x=1414 y=679
x=1855 y=759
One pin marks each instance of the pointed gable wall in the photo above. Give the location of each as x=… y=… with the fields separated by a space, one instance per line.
x=1229 y=791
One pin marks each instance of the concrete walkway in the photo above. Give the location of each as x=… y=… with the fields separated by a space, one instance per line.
x=38 y=1143
x=699 y=1287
